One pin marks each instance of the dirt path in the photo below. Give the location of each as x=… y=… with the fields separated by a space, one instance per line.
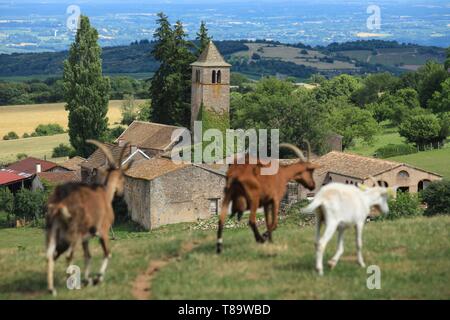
x=142 y=285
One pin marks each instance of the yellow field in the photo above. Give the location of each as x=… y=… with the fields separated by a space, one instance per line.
x=25 y=118
x=39 y=147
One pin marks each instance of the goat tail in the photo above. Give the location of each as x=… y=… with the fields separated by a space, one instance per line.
x=55 y=210
x=311 y=208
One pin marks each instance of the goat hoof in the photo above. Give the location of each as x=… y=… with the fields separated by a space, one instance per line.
x=88 y=282
x=332 y=263
x=320 y=272
x=219 y=249
x=362 y=264
x=52 y=292
x=98 y=279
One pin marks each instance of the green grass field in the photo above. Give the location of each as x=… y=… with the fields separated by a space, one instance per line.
x=39 y=147
x=177 y=262
x=435 y=160
x=387 y=136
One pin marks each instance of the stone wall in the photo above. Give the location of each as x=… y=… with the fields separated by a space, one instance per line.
x=179 y=196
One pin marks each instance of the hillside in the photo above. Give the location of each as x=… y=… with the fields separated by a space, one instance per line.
x=250 y=57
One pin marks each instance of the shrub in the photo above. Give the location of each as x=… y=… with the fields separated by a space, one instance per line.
x=129 y=110
x=25 y=135
x=63 y=150
x=6 y=200
x=11 y=136
x=30 y=204
x=392 y=150
x=48 y=129
x=21 y=156
x=437 y=197
x=404 y=205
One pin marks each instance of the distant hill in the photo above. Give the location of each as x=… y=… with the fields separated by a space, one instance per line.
x=254 y=58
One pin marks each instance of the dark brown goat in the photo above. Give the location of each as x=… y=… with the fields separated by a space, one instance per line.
x=78 y=212
x=247 y=189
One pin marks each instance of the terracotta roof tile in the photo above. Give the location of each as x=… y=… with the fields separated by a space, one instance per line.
x=153 y=168
x=59 y=177
x=352 y=165
x=148 y=135
x=98 y=158
x=73 y=164
x=28 y=165
x=211 y=57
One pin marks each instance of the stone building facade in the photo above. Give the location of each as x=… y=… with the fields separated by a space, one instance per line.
x=355 y=169
x=160 y=192
x=210 y=84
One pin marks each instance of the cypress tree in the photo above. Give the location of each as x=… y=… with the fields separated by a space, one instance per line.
x=171 y=85
x=86 y=91
x=202 y=38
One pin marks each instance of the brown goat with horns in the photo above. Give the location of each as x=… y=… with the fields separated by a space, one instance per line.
x=78 y=212
x=247 y=189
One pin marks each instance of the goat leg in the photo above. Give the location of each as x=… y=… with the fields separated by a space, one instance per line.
x=252 y=223
x=223 y=215
x=104 y=241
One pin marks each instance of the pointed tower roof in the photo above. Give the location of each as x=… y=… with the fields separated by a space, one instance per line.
x=211 y=57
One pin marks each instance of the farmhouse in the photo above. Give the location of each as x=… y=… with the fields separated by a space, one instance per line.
x=20 y=174
x=355 y=169
x=160 y=192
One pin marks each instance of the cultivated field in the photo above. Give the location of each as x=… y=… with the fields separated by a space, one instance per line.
x=25 y=118
x=405 y=58
x=177 y=262
x=39 y=147
x=292 y=55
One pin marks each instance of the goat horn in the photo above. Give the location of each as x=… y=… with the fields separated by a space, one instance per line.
x=309 y=149
x=296 y=150
x=375 y=183
x=105 y=150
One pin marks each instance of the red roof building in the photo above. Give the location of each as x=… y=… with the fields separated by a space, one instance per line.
x=28 y=165
x=8 y=176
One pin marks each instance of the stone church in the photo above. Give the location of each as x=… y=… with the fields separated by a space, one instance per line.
x=158 y=191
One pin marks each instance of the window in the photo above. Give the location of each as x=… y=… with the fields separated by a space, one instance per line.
x=219 y=76
x=423 y=184
x=382 y=183
x=213 y=206
x=403 y=174
x=197 y=76
x=213 y=80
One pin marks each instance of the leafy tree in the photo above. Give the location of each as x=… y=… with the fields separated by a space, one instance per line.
x=129 y=110
x=437 y=197
x=277 y=104
x=352 y=122
x=10 y=136
x=86 y=91
x=432 y=74
x=21 y=156
x=30 y=204
x=145 y=110
x=440 y=101
x=62 y=150
x=447 y=60
x=6 y=200
x=342 y=85
x=48 y=129
x=171 y=85
x=409 y=97
x=203 y=38
x=420 y=129
x=373 y=86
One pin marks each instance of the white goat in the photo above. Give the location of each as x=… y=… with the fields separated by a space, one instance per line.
x=340 y=206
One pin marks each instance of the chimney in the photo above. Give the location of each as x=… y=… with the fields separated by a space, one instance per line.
x=133 y=149
x=38 y=168
x=121 y=142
